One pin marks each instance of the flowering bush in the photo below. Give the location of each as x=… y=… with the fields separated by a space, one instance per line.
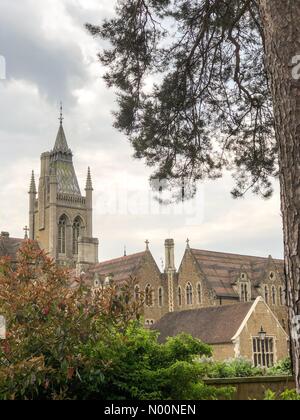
x=75 y=343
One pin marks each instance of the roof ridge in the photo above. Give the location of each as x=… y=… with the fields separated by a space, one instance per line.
x=234 y=254
x=217 y=308
x=123 y=258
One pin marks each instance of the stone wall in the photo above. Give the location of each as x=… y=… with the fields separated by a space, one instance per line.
x=254 y=388
x=223 y=352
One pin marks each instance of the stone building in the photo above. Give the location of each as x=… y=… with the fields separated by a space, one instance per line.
x=60 y=217
x=61 y=222
x=249 y=330
x=9 y=246
x=204 y=279
x=147 y=279
x=208 y=278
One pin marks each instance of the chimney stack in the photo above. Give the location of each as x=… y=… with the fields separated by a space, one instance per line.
x=170 y=255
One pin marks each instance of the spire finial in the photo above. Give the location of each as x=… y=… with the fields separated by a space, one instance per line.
x=125 y=251
x=147 y=245
x=188 y=243
x=61 y=118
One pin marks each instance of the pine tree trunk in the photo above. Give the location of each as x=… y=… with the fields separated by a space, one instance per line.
x=281 y=23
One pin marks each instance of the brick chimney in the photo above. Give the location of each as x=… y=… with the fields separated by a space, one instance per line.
x=170 y=271
x=170 y=255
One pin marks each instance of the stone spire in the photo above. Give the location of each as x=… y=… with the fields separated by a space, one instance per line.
x=61 y=144
x=89 y=184
x=32 y=189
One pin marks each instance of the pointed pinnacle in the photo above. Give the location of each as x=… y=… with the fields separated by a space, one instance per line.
x=32 y=189
x=89 y=184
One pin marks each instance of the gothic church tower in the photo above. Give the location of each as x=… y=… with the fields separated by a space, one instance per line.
x=60 y=218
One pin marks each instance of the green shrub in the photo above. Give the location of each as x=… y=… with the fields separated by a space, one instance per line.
x=64 y=344
x=283 y=367
x=243 y=368
x=288 y=395
x=235 y=368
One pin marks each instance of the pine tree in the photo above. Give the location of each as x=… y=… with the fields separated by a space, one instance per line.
x=209 y=85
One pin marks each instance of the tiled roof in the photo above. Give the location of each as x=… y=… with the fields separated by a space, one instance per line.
x=214 y=325
x=120 y=268
x=62 y=166
x=222 y=269
x=9 y=247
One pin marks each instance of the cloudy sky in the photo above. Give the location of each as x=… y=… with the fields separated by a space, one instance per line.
x=50 y=57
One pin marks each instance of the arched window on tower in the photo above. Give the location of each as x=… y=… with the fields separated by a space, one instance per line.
x=189 y=294
x=62 y=228
x=77 y=225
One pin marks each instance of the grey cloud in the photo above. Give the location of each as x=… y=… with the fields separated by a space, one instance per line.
x=54 y=66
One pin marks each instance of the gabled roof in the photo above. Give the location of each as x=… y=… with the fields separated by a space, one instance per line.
x=120 y=268
x=214 y=325
x=10 y=246
x=222 y=269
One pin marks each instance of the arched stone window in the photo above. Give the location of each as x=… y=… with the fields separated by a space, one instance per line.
x=62 y=234
x=199 y=294
x=148 y=295
x=242 y=293
x=245 y=295
x=274 y=295
x=76 y=232
x=137 y=292
x=281 y=296
x=266 y=294
x=179 y=296
x=160 y=297
x=189 y=294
